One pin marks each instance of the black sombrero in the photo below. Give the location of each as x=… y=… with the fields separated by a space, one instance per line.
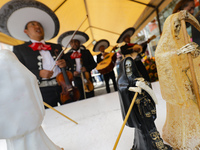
x=130 y=31
x=102 y=42
x=66 y=36
x=15 y=14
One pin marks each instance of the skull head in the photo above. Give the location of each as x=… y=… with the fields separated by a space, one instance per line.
x=177 y=27
x=128 y=65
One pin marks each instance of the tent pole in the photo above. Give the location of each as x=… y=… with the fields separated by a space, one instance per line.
x=158 y=19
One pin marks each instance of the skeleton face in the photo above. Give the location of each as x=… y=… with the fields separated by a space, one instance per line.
x=128 y=65
x=177 y=27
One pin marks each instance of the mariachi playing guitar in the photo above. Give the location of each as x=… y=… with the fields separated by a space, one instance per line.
x=107 y=64
x=138 y=48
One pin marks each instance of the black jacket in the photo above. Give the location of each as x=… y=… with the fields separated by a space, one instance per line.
x=32 y=59
x=86 y=57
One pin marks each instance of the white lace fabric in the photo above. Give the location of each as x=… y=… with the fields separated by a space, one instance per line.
x=182 y=125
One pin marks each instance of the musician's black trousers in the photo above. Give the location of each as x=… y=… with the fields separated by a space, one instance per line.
x=107 y=77
x=79 y=85
x=51 y=95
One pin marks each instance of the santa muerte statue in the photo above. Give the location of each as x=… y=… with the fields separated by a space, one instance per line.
x=143 y=113
x=176 y=78
x=21 y=107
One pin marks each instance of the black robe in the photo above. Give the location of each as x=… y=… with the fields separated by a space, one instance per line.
x=143 y=113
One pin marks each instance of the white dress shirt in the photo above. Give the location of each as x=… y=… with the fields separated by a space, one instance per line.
x=47 y=60
x=78 y=62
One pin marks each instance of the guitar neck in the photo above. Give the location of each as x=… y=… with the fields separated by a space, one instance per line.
x=151 y=38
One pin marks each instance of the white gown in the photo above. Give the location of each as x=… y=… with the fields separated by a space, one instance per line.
x=21 y=107
x=182 y=125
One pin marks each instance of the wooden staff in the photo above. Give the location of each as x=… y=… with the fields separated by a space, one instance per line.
x=47 y=105
x=194 y=79
x=125 y=120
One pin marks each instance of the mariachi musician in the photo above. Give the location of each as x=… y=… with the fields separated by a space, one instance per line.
x=37 y=55
x=79 y=61
x=101 y=45
x=133 y=48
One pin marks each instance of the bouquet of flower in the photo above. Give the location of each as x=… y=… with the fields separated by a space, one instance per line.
x=150 y=65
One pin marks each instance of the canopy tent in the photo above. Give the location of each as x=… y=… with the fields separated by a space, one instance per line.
x=107 y=19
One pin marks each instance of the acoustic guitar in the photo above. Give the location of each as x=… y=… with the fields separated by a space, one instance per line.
x=87 y=84
x=107 y=64
x=139 y=47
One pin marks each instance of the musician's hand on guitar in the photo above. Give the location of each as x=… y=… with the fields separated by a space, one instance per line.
x=104 y=54
x=61 y=63
x=76 y=73
x=45 y=74
x=83 y=69
x=114 y=48
x=137 y=48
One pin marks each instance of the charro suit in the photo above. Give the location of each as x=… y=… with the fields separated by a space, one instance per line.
x=108 y=76
x=33 y=61
x=87 y=62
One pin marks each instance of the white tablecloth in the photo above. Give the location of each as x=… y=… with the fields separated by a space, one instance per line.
x=99 y=122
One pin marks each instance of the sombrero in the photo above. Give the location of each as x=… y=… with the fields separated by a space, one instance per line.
x=130 y=31
x=15 y=14
x=66 y=36
x=102 y=42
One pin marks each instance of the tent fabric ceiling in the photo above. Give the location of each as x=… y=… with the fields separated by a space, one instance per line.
x=106 y=19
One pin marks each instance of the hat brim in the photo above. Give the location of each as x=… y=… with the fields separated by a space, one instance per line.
x=14 y=20
x=65 y=38
x=129 y=31
x=103 y=42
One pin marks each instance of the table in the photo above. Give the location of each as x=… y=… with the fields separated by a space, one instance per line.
x=99 y=122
